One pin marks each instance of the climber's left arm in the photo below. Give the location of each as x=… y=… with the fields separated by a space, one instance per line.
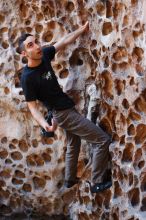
x=71 y=37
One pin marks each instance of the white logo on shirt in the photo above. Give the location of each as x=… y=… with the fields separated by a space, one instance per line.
x=47 y=75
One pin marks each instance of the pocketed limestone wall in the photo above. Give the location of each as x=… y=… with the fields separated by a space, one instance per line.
x=104 y=71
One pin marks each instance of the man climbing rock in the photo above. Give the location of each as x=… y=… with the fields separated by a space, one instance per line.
x=40 y=83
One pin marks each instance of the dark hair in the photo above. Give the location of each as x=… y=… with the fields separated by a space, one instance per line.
x=22 y=38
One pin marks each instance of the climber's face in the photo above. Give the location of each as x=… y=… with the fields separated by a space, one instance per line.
x=32 y=49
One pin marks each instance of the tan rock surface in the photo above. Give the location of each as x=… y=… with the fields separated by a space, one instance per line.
x=105 y=70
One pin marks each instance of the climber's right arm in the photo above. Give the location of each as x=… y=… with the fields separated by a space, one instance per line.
x=33 y=107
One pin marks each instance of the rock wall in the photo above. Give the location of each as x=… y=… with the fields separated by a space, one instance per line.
x=104 y=71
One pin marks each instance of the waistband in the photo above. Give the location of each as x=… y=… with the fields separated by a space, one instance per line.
x=62 y=110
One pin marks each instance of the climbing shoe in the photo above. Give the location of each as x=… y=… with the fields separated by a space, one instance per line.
x=99 y=187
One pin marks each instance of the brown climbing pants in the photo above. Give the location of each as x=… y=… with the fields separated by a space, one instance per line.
x=77 y=127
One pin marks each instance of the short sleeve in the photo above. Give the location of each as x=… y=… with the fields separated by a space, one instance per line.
x=29 y=90
x=49 y=52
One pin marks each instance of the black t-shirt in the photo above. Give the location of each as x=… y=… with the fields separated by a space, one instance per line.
x=40 y=83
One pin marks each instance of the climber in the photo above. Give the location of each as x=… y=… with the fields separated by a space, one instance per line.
x=39 y=82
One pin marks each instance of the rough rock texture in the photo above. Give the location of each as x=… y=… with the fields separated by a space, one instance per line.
x=104 y=70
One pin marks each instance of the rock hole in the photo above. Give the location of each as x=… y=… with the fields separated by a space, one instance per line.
x=140 y=133
x=137 y=33
x=28 y=22
x=125 y=103
x=27 y=187
x=94 y=43
x=115 y=138
x=117 y=190
x=117 y=9
x=51 y=24
x=96 y=54
x=115 y=216
x=2 y=18
x=131 y=130
x=138 y=155
x=117 y=56
x=79 y=62
x=12 y=146
x=30 y=161
x=59 y=66
x=138 y=52
x=16 y=155
x=6 y=90
x=108 y=83
x=132 y=218
x=125 y=20
x=114 y=67
x=120 y=53
x=139 y=69
x=39 y=183
x=119 y=85
x=5 y=210
x=134 y=197
x=21 y=93
x=47 y=37
x=49 y=12
x=104 y=123
x=34 y=143
x=143 y=183
x=17 y=77
x=6 y=173
x=109 y=11
x=122 y=140
x=90 y=10
x=3 y=30
x=39 y=28
x=134 y=2
x=23 y=10
x=5 y=44
x=19 y=174
x=124 y=65
x=29 y=29
x=134 y=116
x=106 y=62
x=23 y=145
x=141 y=164
x=39 y=17
x=107 y=28
x=39 y=160
x=70 y=7
x=46 y=157
x=3 y=153
x=137 y=158
x=132 y=81
x=17 y=181
x=4 y=140
x=75 y=59
x=130 y=179
x=128 y=153
x=63 y=74
x=143 y=207
x=100 y=8
x=140 y=104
